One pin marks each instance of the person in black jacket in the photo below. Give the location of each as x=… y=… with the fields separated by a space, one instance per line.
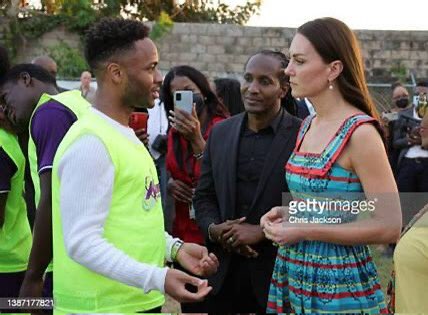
x=412 y=162
x=242 y=177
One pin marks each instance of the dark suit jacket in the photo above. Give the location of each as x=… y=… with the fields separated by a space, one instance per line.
x=215 y=196
x=399 y=140
x=302 y=109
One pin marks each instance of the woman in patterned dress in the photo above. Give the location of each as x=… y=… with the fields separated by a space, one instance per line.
x=323 y=263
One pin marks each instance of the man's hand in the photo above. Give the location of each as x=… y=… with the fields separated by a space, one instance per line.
x=195 y=258
x=217 y=230
x=222 y=233
x=176 y=281
x=180 y=191
x=143 y=136
x=243 y=234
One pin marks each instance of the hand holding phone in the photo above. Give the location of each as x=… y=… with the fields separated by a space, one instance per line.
x=183 y=100
x=138 y=121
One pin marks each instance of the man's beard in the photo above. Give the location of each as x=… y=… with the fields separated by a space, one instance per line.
x=133 y=99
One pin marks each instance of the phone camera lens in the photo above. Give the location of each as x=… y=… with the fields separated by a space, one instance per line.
x=178 y=96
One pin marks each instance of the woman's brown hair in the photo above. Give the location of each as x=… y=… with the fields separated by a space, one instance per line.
x=333 y=40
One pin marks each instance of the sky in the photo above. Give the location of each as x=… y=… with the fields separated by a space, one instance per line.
x=357 y=14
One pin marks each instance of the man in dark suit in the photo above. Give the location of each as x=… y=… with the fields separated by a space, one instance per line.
x=243 y=178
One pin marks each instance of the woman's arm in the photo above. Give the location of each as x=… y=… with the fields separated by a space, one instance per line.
x=189 y=127
x=369 y=161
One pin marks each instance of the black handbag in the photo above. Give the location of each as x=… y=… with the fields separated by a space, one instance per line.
x=160 y=144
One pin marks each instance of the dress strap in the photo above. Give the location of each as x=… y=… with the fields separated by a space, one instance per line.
x=332 y=152
x=303 y=128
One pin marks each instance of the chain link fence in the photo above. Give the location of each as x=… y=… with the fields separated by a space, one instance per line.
x=382 y=94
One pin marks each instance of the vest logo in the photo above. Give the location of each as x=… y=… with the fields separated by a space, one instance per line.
x=152 y=193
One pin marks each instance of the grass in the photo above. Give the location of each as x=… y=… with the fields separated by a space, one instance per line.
x=384 y=267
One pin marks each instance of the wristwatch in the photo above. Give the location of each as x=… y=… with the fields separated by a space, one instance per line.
x=175 y=248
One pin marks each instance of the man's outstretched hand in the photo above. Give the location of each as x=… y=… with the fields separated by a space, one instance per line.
x=175 y=286
x=195 y=258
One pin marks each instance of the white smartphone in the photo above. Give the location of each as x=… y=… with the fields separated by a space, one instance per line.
x=183 y=100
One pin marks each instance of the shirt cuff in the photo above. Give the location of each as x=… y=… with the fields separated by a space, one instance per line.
x=158 y=280
x=169 y=242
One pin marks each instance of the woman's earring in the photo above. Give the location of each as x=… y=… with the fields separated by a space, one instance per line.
x=330 y=85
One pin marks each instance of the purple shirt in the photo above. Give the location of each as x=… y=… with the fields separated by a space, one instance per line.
x=7 y=170
x=49 y=125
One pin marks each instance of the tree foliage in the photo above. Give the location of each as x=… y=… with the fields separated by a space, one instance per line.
x=70 y=61
x=162 y=26
x=201 y=11
x=81 y=12
x=76 y=16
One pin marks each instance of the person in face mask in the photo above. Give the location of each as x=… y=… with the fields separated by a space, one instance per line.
x=400 y=101
x=400 y=97
x=186 y=142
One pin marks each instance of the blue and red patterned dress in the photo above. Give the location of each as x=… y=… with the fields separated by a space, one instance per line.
x=321 y=277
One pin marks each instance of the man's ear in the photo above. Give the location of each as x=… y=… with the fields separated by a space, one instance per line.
x=26 y=78
x=115 y=72
x=336 y=68
x=284 y=89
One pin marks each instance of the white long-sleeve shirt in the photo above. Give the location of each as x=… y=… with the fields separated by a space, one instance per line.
x=156 y=125
x=86 y=175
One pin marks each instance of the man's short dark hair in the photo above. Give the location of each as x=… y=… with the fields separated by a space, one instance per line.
x=112 y=36
x=34 y=71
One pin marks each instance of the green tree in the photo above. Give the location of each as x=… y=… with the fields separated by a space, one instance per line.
x=162 y=26
x=211 y=11
x=70 y=61
x=399 y=71
x=78 y=15
x=200 y=11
